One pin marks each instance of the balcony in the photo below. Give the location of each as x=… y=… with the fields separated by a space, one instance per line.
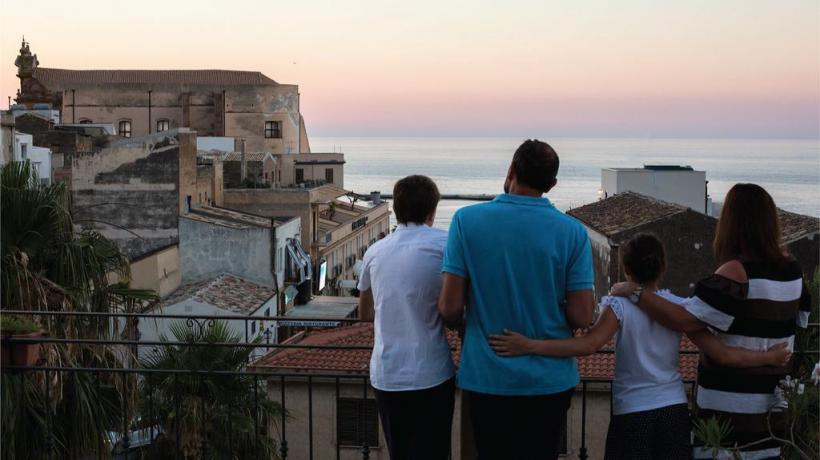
x=310 y=399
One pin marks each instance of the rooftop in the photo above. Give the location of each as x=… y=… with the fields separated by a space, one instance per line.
x=624 y=211
x=595 y=366
x=324 y=306
x=656 y=168
x=249 y=156
x=225 y=291
x=795 y=226
x=52 y=78
x=227 y=217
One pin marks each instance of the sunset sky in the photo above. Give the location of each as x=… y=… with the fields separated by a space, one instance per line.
x=745 y=68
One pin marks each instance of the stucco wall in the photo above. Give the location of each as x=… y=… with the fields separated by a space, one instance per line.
x=159 y=271
x=201 y=107
x=139 y=186
x=207 y=249
x=274 y=203
x=687 y=238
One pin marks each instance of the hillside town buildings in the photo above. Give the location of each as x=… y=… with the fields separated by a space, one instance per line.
x=158 y=160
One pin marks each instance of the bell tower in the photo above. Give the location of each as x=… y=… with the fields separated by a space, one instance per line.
x=31 y=90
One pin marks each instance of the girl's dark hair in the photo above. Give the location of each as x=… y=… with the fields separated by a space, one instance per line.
x=749 y=228
x=644 y=258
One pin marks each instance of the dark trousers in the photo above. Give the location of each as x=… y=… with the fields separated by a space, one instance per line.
x=417 y=424
x=662 y=433
x=518 y=427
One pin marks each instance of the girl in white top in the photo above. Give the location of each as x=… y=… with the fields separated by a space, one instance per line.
x=650 y=412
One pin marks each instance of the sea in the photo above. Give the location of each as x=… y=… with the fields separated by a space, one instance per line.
x=788 y=168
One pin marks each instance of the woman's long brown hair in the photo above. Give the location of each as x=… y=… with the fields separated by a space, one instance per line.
x=748 y=228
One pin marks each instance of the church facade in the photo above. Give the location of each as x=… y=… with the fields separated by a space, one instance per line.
x=239 y=104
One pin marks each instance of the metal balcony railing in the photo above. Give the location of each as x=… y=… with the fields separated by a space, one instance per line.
x=141 y=425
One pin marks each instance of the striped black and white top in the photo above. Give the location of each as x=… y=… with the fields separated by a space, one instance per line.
x=755 y=315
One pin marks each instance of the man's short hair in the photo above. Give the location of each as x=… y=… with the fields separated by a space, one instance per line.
x=536 y=165
x=414 y=199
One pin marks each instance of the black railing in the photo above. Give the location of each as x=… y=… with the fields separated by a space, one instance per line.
x=268 y=413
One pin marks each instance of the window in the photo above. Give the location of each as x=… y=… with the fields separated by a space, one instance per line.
x=163 y=125
x=300 y=175
x=124 y=128
x=23 y=151
x=85 y=121
x=273 y=129
x=355 y=419
x=329 y=175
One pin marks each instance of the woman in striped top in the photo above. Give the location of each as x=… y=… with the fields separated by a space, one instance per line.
x=755 y=300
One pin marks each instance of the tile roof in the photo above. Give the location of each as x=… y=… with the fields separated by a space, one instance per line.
x=596 y=366
x=227 y=217
x=227 y=292
x=624 y=211
x=57 y=78
x=795 y=226
x=249 y=156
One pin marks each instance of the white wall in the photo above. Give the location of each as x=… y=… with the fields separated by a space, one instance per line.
x=686 y=188
x=40 y=157
x=152 y=328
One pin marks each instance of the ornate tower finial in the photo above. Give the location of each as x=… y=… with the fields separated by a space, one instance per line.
x=25 y=62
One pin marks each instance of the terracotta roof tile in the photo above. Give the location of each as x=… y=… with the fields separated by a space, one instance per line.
x=224 y=291
x=596 y=366
x=624 y=211
x=58 y=78
x=795 y=226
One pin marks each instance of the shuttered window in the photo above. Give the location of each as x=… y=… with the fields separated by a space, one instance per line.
x=357 y=418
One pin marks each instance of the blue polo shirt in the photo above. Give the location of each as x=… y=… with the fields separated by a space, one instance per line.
x=520 y=256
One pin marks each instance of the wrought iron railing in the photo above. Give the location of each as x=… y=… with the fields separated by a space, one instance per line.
x=271 y=430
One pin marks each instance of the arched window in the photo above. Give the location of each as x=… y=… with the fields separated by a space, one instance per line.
x=163 y=124
x=85 y=121
x=124 y=128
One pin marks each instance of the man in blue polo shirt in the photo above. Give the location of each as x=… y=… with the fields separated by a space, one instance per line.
x=517 y=263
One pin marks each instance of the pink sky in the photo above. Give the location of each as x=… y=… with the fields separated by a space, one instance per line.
x=477 y=68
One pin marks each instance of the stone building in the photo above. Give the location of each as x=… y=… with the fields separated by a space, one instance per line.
x=134 y=190
x=240 y=104
x=218 y=240
x=339 y=404
x=687 y=236
x=259 y=168
x=801 y=235
x=334 y=230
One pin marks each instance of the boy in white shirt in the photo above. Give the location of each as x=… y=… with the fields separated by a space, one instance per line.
x=411 y=368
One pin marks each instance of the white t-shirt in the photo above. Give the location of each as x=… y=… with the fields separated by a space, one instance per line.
x=410 y=349
x=646 y=359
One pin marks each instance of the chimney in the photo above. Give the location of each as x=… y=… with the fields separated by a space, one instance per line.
x=243 y=167
x=376 y=198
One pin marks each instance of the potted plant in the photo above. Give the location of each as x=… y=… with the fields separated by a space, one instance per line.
x=19 y=354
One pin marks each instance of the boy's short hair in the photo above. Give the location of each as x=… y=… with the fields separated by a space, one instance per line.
x=536 y=165
x=644 y=258
x=414 y=199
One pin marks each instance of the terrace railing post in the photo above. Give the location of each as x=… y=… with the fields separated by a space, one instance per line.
x=203 y=443
x=151 y=414
x=255 y=416
x=336 y=428
x=310 y=417
x=365 y=447
x=582 y=453
x=283 y=444
x=177 y=416
x=49 y=432
x=100 y=438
